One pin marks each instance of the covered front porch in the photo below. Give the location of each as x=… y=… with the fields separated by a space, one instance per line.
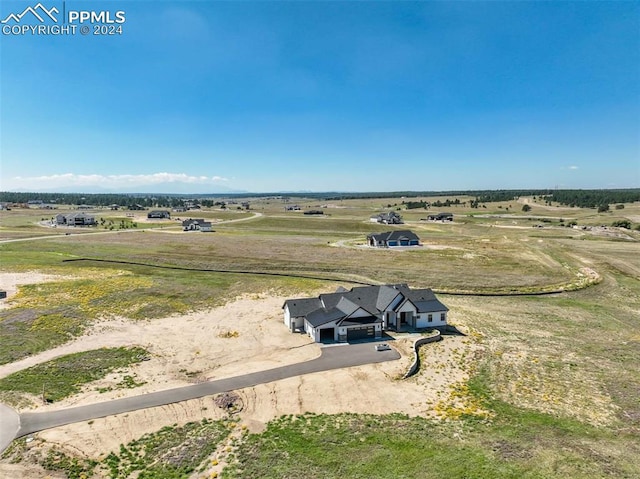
x=405 y=321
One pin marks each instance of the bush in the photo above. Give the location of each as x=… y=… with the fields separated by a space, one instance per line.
x=622 y=224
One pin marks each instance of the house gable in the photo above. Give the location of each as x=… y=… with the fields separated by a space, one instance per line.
x=407 y=307
x=388 y=298
x=359 y=313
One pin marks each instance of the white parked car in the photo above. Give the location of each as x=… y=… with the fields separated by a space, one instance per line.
x=383 y=347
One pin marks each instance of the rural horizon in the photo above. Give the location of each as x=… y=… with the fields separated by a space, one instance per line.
x=319 y=193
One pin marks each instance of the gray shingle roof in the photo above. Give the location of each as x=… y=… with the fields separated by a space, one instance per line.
x=423 y=299
x=330 y=300
x=346 y=306
x=321 y=316
x=395 y=236
x=430 y=306
x=386 y=295
x=302 y=306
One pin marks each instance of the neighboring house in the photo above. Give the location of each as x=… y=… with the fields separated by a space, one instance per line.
x=292 y=208
x=313 y=212
x=114 y=207
x=41 y=205
x=76 y=219
x=196 y=225
x=393 y=238
x=159 y=214
x=136 y=207
x=364 y=312
x=390 y=218
x=441 y=217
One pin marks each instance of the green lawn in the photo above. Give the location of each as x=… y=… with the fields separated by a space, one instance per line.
x=519 y=444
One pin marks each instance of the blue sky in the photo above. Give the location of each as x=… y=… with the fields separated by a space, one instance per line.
x=325 y=96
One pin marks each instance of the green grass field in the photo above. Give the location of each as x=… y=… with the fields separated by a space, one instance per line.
x=64 y=376
x=558 y=374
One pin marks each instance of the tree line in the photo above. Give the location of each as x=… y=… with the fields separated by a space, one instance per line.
x=594 y=198
x=580 y=198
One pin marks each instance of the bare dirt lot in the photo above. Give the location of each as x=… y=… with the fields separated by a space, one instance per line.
x=243 y=336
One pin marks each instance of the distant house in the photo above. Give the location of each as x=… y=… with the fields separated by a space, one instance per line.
x=136 y=207
x=196 y=225
x=292 y=208
x=245 y=205
x=364 y=312
x=75 y=219
x=314 y=212
x=441 y=217
x=393 y=238
x=159 y=214
x=39 y=204
x=114 y=206
x=390 y=218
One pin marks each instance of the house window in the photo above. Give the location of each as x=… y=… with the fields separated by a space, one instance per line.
x=430 y=318
x=443 y=317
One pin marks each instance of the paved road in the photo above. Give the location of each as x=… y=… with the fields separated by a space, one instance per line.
x=332 y=357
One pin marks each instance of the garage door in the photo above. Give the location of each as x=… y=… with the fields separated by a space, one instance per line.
x=327 y=334
x=362 y=332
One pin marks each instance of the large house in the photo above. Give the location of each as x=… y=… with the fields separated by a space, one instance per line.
x=390 y=218
x=364 y=312
x=196 y=225
x=441 y=217
x=393 y=238
x=75 y=219
x=159 y=214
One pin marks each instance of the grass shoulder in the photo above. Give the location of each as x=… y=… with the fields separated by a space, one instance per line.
x=65 y=376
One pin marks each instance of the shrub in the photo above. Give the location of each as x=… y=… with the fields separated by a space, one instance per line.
x=622 y=224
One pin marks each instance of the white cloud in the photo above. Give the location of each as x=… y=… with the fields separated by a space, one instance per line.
x=573 y=167
x=67 y=180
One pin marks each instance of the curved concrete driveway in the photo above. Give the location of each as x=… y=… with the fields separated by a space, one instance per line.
x=332 y=357
x=9 y=426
